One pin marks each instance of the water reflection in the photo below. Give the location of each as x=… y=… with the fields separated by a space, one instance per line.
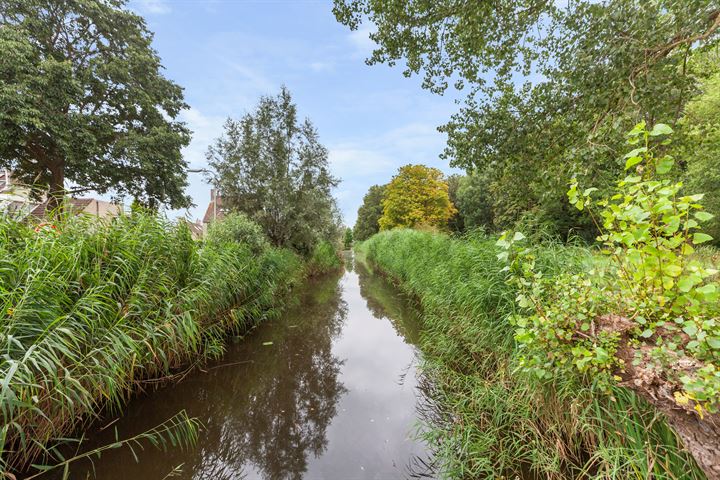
x=332 y=397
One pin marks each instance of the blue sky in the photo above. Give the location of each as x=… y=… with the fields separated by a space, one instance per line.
x=226 y=53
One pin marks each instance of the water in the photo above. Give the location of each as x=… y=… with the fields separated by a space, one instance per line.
x=333 y=397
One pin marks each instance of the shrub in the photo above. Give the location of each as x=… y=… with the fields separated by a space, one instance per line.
x=237 y=228
x=324 y=258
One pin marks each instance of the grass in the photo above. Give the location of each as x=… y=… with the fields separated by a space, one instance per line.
x=324 y=259
x=89 y=310
x=485 y=418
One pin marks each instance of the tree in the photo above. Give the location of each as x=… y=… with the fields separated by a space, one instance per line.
x=274 y=169
x=457 y=221
x=474 y=202
x=369 y=213
x=417 y=196
x=83 y=99
x=348 y=238
x=592 y=70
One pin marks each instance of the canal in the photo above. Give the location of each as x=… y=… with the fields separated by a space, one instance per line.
x=329 y=390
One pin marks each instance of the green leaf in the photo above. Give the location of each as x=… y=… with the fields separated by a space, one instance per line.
x=646 y=333
x=661 y=129
x=664 y=165
x=704 y=216
x=632 y=161
x=636 y=152
x=690 y=328
x=714 y=342
x=518 y=236
x=673 y=270
x=699 y=238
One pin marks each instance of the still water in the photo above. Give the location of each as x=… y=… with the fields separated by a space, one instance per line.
x=333 y=396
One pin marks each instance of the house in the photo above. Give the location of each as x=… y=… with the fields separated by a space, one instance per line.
x=15 y=198
x=196 y=228
x=89 y=206
x=215 y=210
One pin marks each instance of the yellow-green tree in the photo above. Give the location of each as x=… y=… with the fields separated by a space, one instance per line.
x=417 y=196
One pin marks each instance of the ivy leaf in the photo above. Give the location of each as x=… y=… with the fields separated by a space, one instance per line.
x=714 y=342
x=664 y=165
x=661 y=129
x=699 y=238
x=690 y=328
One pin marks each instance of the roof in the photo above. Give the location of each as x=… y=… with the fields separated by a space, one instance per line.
x=77 y=205
x=214 y=210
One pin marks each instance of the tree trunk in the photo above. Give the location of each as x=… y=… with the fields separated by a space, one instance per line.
x=56 y=191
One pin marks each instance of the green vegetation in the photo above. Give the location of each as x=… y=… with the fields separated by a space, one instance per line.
x=492 y=417
x=369 y=213
x=83 y=98
x=348 y=238
x=416 y=196
x=90 y=311
x=273 y=168
x=325 y=258
x=551 y=89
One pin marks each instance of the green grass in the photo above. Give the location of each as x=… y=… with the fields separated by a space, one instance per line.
x=485 y=418
x=325 y=258
x=88 y=310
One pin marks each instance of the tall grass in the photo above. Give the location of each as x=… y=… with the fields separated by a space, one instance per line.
x=88 y=310
x=487 y=419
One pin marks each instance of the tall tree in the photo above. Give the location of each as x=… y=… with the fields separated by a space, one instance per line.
x=592 y=70
x=272 y=167
x=369 y=213
x=417 y=196
x=83 y=99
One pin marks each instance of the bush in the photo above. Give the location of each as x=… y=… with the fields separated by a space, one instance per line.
x=324 y=258
x=237 y=228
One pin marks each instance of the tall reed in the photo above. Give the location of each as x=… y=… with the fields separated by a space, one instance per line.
x=487 y=419
x=90 y=309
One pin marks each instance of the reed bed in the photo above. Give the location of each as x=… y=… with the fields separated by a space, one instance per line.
x=486 y=419
x=90 y=311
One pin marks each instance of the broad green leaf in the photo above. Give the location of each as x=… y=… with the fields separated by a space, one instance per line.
x=661 y=129
x=704 y=216
x=714 y=342
x=631 y=162
x=664 y=165
x=699 y=238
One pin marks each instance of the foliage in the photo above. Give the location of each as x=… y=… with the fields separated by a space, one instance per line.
x=274 y=169
x=90 y=310
x=83 y=98
x=324 y=259
x=591 y=71
x=474 y=202
x=699 y=143
x=369 y=213
x=237 y=228
x=649 y=231
x=456 y=223
x=416 y=196
x=486 y=417
x=348 y=238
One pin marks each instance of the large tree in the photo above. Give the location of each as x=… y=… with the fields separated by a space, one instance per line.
x=591 y=69
x=417 y=196
x=271 y=166
x=369 y=213
x=83 y=99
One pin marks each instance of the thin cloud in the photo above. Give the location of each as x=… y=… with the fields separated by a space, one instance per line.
x=153 y=7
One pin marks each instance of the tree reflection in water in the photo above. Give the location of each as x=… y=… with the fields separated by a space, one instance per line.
x=262 y=418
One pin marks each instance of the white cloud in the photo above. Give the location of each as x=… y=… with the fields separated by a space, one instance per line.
x=360 y=39
x=157 y=7
x=322 y=67
x=362 y=162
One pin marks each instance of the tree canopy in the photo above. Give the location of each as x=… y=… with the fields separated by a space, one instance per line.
x=552 y=87
x=273 y=168
x=369 y=213
x=83 y=99
x=416 y=196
